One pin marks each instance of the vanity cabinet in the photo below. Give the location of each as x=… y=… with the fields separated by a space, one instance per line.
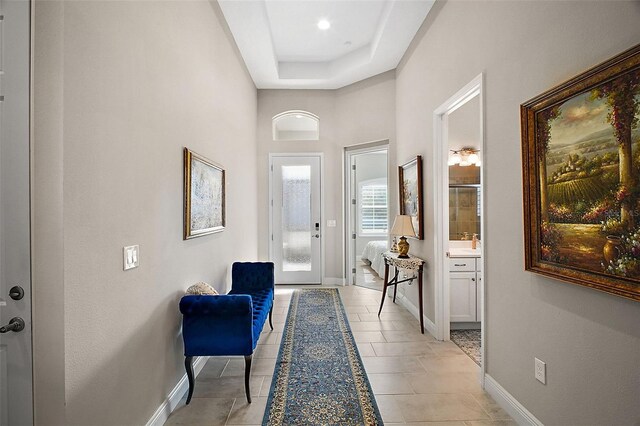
x=464 y=291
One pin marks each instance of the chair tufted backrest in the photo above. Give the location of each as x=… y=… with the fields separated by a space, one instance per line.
x=247 y=276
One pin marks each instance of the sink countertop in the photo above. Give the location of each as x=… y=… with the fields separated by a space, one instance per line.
x=463 y=252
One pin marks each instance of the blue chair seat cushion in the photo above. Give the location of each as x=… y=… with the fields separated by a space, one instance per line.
x=262 y=301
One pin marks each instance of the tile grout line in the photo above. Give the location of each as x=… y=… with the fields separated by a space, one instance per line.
x=226 y=422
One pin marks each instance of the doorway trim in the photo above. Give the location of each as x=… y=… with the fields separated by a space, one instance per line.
x=320 y=155
x=348 y=151
x=441 y=213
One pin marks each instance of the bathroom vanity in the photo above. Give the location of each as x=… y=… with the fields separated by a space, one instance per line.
x=465 y=274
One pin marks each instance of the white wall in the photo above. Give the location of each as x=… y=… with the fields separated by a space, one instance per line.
x=362 y=112
x=589 y=340
x=119 y=89
x=464 y=126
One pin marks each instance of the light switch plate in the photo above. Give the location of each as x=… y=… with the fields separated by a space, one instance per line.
x=540 y=371
x=130 y=257
x=331 y=223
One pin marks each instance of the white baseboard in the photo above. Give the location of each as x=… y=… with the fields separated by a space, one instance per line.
x=520 y=414
x=332 y=281
x=173 y=399
x=404 y=301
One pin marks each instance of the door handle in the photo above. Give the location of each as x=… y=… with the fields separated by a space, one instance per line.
x=16 y=324
x=317 y=236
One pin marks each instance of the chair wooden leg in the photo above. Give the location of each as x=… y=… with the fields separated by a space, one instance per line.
x=247 y=374
x=270 y=313
x=188 y=365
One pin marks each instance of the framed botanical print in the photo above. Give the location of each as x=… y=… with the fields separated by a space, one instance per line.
x=204 y=196
x=410 y=191
x=581 y=175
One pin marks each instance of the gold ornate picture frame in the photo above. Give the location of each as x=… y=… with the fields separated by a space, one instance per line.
x=204 y=196
x=410 y=193
x=581 y=177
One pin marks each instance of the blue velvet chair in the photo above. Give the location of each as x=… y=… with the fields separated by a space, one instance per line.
x=228 y=325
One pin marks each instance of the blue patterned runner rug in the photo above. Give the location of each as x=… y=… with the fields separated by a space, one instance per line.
x=319 y=377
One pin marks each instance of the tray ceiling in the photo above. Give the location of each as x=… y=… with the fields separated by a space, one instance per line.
x=283 y=47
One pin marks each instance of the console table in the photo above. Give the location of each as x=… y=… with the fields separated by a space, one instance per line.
x=411 y=263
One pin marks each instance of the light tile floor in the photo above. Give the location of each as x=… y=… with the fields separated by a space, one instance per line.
x=367 y=277
x=416 y=379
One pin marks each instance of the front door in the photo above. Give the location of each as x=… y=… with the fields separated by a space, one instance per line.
x=295 y=219
x=16 y=402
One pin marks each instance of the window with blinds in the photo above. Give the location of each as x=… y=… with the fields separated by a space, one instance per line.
x=373 y=209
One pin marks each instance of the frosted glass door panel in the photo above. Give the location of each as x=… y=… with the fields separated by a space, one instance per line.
x=296 y=218
x=296 y=234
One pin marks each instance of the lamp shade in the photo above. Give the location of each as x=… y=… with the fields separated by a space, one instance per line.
x=403 y=226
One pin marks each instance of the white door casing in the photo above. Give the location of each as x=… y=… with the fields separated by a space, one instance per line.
x=296 y=223
x=441 y=212
x=351 y=196
x=16 y=388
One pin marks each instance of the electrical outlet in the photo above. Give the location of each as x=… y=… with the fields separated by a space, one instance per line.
x=541 y=371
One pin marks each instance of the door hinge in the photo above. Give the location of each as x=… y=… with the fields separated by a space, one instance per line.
x=272 y=167
x=353 y=270
x=353 y=167
x=271 y=203
x=353 y=236
x=353 y=201
x=271 y=237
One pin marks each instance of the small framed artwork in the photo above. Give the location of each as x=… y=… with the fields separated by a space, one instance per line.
x=204 y=197
x=410 y=191
x=581 y=176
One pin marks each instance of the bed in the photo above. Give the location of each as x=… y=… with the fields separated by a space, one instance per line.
x=372 y=255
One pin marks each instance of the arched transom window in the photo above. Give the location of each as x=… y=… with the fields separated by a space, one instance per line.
x=296 y=126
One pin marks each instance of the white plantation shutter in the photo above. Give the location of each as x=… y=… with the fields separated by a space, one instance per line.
x=373 y=209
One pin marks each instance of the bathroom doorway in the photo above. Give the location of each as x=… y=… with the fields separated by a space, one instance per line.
x=367 y=195
x=459 y=164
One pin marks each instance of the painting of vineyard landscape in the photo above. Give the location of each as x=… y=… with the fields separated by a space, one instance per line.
x=582 y=178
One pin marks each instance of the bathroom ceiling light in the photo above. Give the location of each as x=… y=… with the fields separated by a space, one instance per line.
x=454 y=158
x=323 y=24
x=464 y=157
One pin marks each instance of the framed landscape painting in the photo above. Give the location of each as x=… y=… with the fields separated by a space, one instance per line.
x=410 y=191
x=581 y=175
x=203 y=196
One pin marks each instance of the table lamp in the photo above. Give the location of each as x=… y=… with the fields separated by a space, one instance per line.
x=403 y=227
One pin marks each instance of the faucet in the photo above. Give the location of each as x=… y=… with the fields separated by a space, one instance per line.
x=474 y=241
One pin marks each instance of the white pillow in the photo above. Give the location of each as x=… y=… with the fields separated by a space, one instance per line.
x=201 y=288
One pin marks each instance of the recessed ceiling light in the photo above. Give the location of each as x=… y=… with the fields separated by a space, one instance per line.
x=298 y=116
x=323 y=24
